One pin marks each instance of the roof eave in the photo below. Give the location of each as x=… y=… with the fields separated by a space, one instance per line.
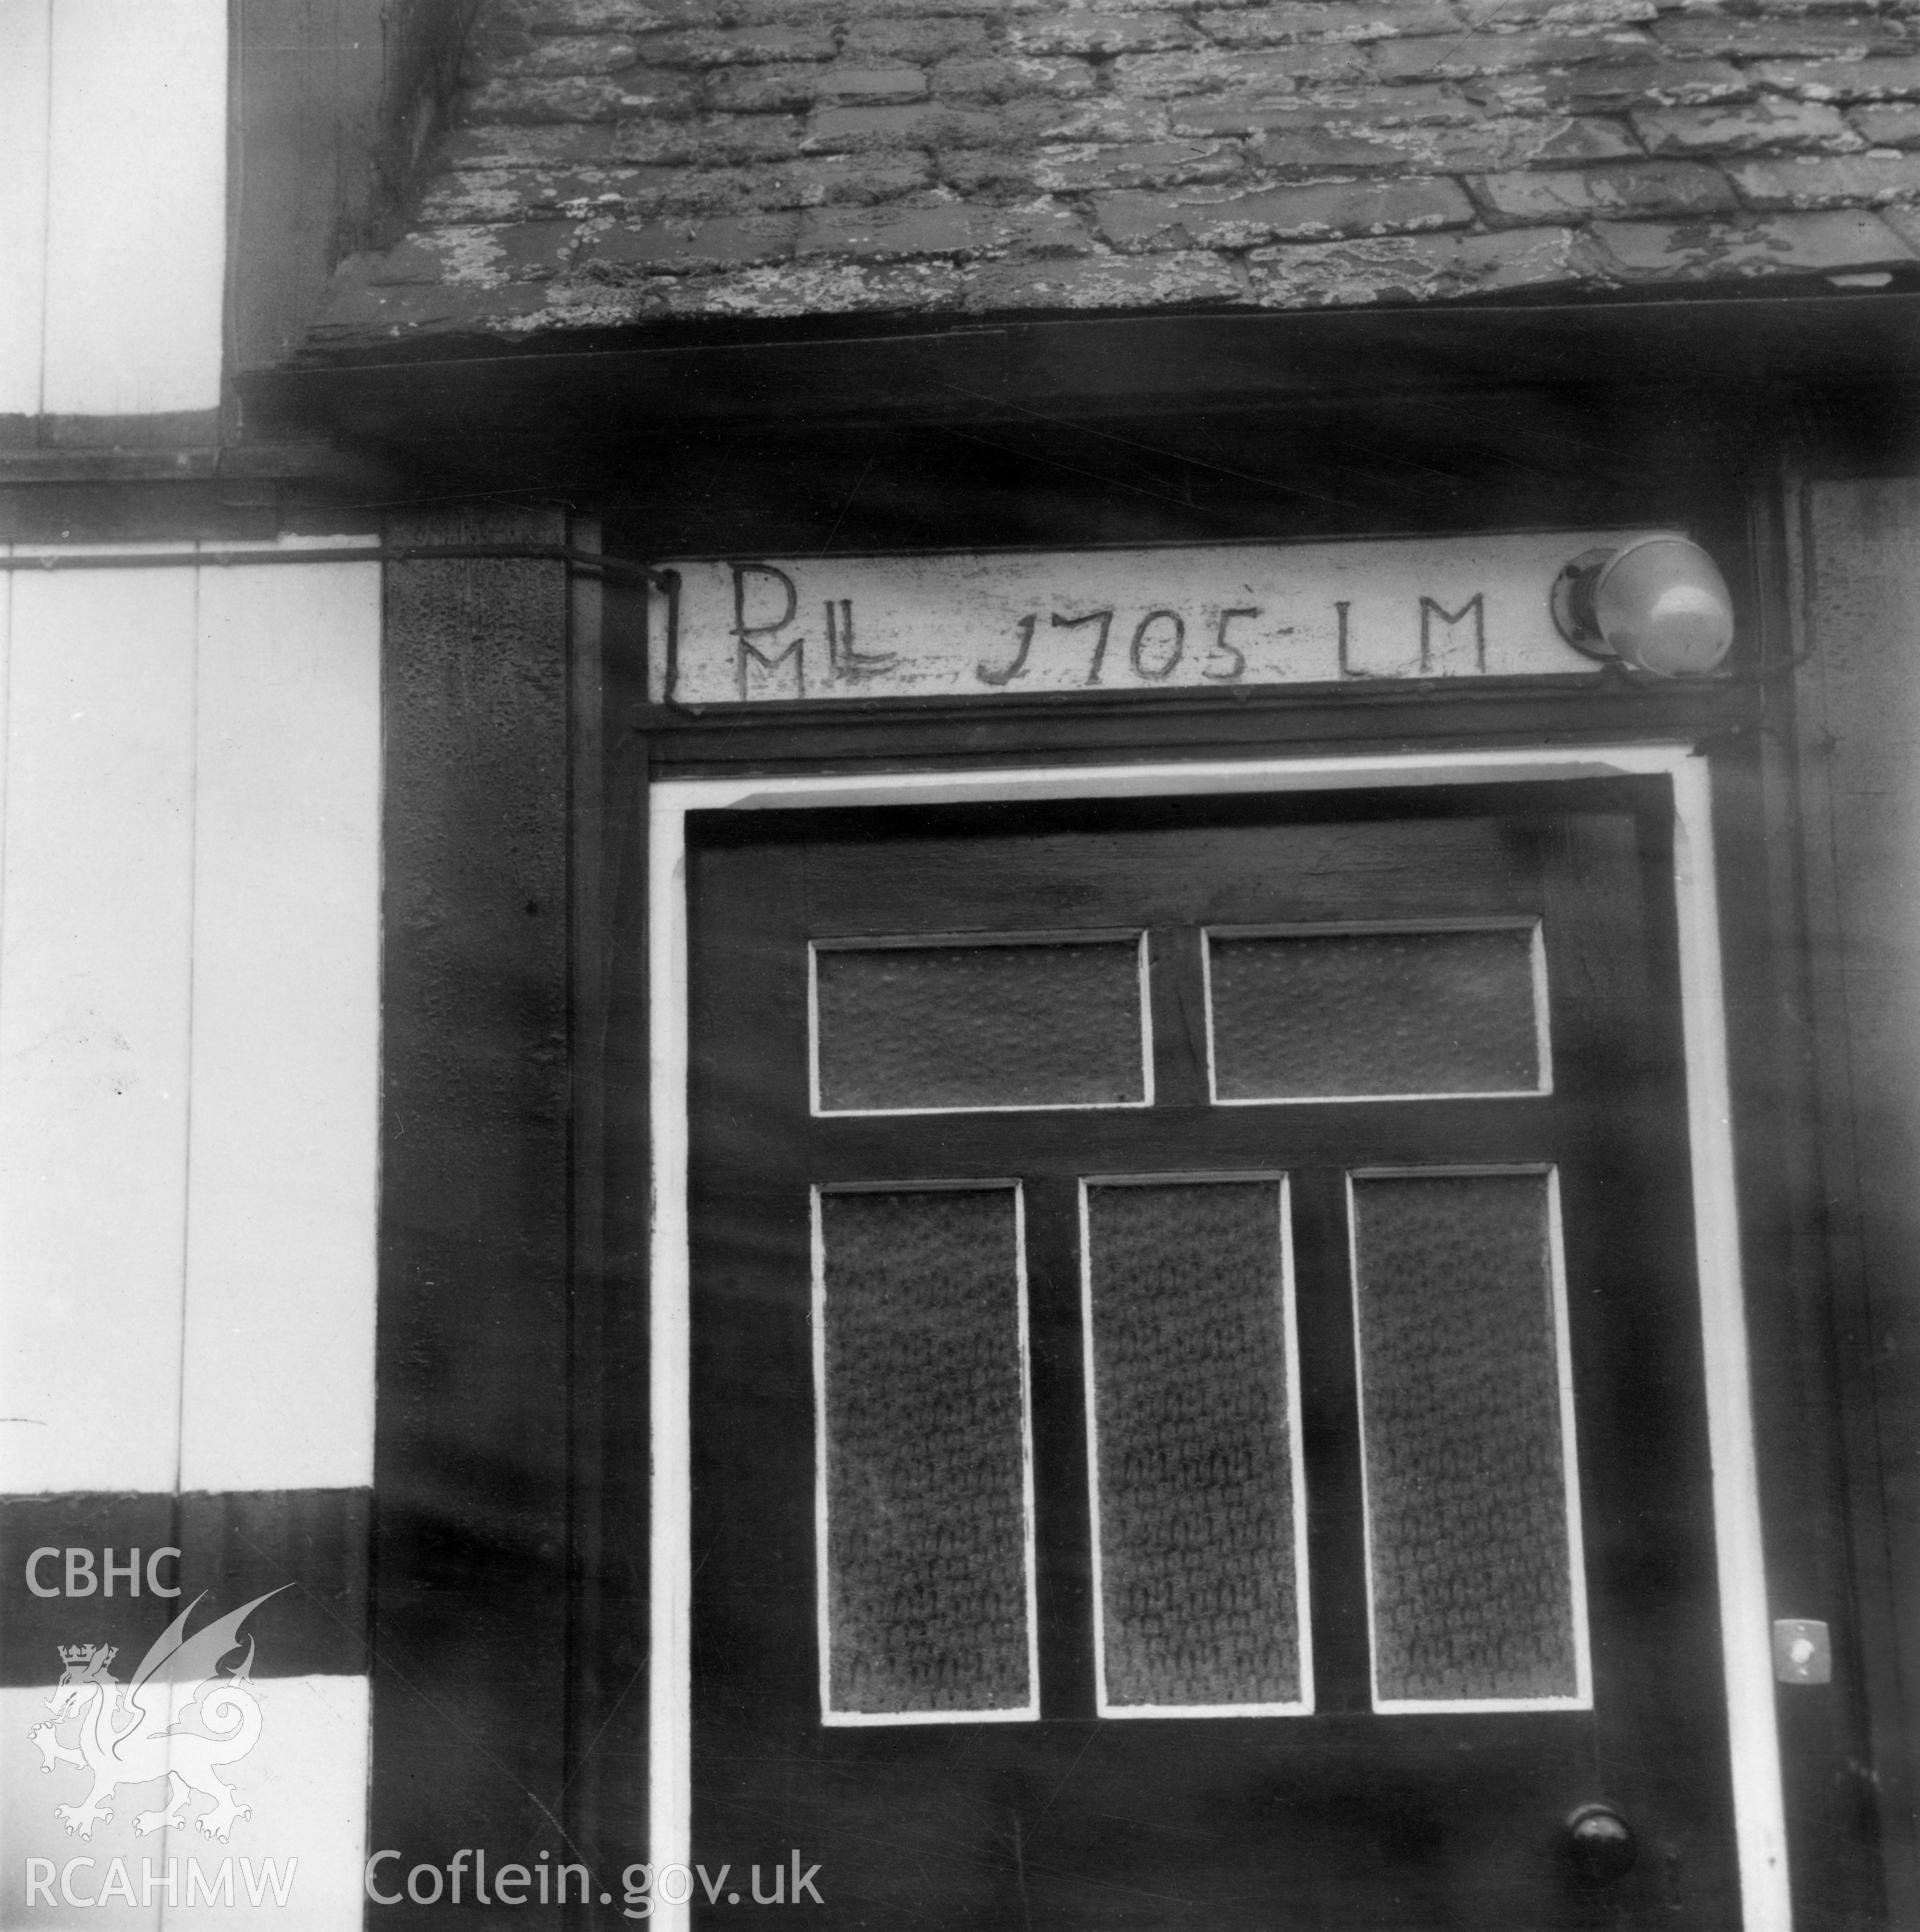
x=1841 y=349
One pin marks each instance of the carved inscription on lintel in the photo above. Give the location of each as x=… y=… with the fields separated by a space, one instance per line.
x=985 y=625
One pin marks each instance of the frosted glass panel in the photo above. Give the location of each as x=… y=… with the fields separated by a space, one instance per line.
x=1299 y=1016
x=1472 y=1531
x=974 y=1025
x=920 y=1350
x=1196 y=1447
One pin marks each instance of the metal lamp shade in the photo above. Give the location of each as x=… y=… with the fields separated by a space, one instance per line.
x=1661 y=605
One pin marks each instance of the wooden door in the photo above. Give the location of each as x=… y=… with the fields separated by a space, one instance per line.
x=1197 y=1400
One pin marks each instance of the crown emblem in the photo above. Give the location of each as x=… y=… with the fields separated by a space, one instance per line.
x=71 y=1654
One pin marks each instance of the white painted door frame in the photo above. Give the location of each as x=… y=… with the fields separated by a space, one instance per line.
x=1752 y=1735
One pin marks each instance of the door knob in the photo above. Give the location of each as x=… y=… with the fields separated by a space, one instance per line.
x=1600 y=1843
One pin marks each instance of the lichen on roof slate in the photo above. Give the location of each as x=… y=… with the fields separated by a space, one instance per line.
x=623 y=163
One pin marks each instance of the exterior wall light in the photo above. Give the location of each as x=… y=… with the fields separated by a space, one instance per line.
x=1658 y=604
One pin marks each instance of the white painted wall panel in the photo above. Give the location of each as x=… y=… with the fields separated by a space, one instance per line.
x=278 y=1372
x=136 y=206
x=306 y=1780
x=95 y=926
x=189 y=1026
x=31 y=1830
x=25 y=45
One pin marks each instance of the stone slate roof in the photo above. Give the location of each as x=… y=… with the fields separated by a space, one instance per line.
x=640 y=163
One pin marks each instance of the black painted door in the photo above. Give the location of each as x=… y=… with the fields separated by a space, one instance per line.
x=1197 y=1393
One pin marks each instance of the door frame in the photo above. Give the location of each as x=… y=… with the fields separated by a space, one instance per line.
x=1759 y=1819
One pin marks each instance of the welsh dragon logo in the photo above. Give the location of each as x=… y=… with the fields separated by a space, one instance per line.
x=128 y=1734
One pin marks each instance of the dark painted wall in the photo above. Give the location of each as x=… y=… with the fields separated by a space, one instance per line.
x=1859 y=699
x=509 y=1523
x=471 y=1479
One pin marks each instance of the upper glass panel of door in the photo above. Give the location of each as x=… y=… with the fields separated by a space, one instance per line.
x=1301 y=1013
x=987 y=1023
x=981 y=1023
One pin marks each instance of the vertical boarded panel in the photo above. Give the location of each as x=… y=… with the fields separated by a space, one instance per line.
x=278 y=1373
x=95 y=924
x=470 y=1465
x=305 y=1780
x=136 y=200
x=301 y=1781
x=24 y=43
x=188 y=968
